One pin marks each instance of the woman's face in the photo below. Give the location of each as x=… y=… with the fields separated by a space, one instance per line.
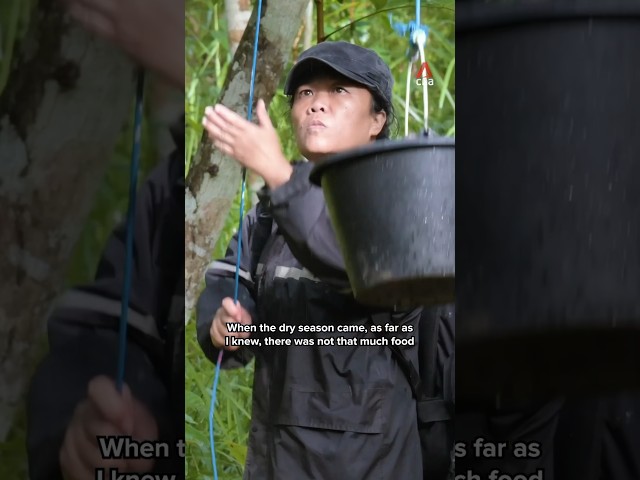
x=331 y=114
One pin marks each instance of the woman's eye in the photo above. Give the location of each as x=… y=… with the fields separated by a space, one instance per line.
x=340 y=89
x=305 y=92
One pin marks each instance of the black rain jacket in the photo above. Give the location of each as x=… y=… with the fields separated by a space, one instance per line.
x=319 y=412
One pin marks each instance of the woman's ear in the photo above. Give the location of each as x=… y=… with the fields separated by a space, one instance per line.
x=379 y=119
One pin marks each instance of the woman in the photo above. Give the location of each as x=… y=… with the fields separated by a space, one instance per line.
x=319 y=412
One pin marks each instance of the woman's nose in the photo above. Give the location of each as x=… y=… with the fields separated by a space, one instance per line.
x=319 y=103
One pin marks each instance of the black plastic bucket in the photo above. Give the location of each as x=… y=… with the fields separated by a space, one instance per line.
x=392 y=206
x=548 y=182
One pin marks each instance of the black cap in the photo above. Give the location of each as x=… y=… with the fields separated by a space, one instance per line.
x=359 y=64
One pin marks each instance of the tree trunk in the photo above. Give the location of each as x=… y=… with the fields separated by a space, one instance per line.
x=213 y=179
x=238 y=13
x=308 y=26
x=61 y=113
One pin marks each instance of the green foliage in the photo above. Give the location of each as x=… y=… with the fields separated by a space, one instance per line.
x=12 y=451
x=207 y=58
x=207 y=61
x=15 y=16
x=231 y=417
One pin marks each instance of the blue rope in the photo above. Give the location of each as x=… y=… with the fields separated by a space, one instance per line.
x=213 y=402
x=131 y=210
x=239 y=256
x=237 y=282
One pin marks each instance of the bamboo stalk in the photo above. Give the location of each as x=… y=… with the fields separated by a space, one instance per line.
x=320 y=20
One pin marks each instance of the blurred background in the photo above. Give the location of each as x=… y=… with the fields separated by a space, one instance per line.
x=213 y=28
x=94 y=210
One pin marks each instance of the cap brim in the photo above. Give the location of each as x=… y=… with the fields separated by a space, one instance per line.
x=295 y=72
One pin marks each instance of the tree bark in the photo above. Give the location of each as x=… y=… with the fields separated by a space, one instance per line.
x=213 y=179
x=61 y=114
x=238 y=13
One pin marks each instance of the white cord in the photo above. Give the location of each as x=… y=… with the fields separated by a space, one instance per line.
x=406 y=103
x=420 y=38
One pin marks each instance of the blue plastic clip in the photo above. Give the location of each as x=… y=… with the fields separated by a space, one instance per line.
x=404 y=29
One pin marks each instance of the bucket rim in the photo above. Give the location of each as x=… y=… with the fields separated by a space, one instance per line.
x=474 y=16
x=387 y=145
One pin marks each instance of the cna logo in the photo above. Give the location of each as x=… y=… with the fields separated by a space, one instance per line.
x=424 y=75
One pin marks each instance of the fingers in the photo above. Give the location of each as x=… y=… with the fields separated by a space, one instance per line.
x=224 y=148
x=113 y=406
x=94 y=425
x=228 y=124
x=228 y=313
x=232 y=309
x=217 y=129
x=223 y=137
x=263 y=115
x=219 y=331
x=88 y=446
x=236 y=311
x=104 y=413
x=254 y=146
x=146 y=428
x=232 y=118
x=215 y=332
x=80 y=453
x=71 y=462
